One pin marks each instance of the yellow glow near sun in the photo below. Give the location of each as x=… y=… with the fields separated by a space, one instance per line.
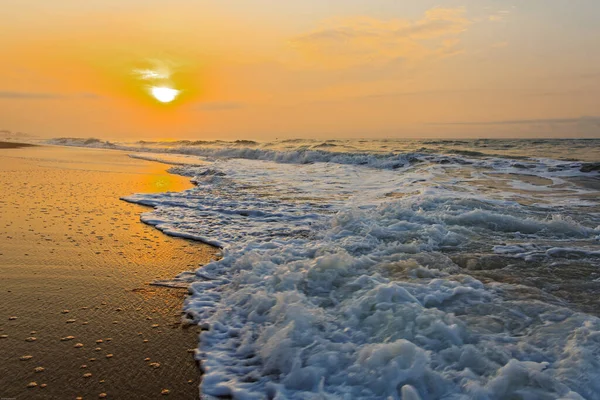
x=164 y=94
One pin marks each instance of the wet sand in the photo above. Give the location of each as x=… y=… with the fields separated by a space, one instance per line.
x=75 y=261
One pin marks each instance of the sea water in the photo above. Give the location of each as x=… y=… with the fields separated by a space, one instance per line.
x=364 y=269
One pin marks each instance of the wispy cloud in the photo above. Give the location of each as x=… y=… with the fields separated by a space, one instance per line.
x=361 y=40
x=45 y=96
x=592 y=120
x=500 y=15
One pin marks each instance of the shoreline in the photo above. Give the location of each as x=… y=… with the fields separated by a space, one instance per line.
x=76 y=264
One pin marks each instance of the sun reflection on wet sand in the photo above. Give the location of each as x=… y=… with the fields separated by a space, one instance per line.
x=76 y=262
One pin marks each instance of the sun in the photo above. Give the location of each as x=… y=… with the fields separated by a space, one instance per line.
x=164 y=94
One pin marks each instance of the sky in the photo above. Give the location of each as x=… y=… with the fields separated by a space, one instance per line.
x=267 y=69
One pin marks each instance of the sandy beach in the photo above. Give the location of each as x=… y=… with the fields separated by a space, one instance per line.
x=79 y=318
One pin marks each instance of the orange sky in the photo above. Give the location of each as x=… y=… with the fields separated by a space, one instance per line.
x=264 y=69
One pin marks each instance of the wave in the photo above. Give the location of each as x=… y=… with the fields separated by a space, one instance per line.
x=303 y=155
x=338 y=281
x=87 y=142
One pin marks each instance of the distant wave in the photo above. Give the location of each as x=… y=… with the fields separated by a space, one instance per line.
x=300 y=151
x=83 y=142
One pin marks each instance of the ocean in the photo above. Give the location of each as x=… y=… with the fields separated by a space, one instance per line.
x=388 y=269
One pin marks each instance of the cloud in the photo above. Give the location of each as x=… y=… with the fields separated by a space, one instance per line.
x=30 y=95
x=587 y=121
x=45 y=96
x=500 y=15
x=220 y=106
x=354 y=41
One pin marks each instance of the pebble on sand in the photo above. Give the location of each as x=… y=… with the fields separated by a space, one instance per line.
x=102 y=395
x=154 y=365
x=165 y=392
x=31 y=339
x=66 y=338
x=87 y=375
x=64 y=311
x=25 y=358
x=70 y=321
x=12 y=318
x=43 y=385
x=32 y=384
x=78 y=345
x=109 y=356
x=3 y=336
x=99 y=341
x=98 y=349
x=39 y=369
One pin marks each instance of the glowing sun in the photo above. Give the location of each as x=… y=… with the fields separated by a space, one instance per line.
x=164 y=94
